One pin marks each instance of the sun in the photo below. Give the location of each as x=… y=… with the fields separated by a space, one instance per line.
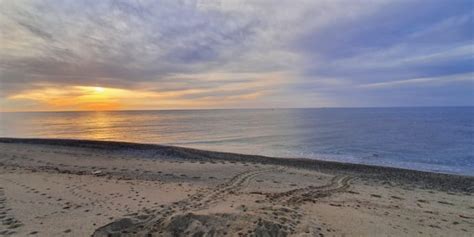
x=99 y=89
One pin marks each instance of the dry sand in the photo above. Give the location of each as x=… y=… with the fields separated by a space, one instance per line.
x=84 y=188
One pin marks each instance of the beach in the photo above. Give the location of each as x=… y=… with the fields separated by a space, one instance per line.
x=51 y=187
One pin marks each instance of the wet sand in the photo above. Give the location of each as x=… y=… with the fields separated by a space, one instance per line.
x=84 y=188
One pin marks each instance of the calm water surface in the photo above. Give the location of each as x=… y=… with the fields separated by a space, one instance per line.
x=433 y=139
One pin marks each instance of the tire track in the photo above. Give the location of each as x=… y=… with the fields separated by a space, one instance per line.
x=200 y=200
x=297 y=196
x=283 y=215
x=238 y=182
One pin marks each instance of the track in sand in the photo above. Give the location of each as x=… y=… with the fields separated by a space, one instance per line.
x=277 y=215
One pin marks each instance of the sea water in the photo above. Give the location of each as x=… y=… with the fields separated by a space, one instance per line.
x=439 y=139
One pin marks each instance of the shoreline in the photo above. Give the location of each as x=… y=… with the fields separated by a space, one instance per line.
x=437 y=180
x=57 y=187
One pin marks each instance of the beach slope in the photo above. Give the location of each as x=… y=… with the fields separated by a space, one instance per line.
x=82 y=188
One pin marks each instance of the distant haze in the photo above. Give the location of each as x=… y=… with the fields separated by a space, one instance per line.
x=184 y=54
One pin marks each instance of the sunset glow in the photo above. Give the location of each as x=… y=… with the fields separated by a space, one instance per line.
x=232 y=54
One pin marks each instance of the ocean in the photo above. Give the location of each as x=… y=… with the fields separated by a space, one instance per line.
x=439 y=139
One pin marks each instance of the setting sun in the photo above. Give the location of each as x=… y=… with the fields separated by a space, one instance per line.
x=99 y=89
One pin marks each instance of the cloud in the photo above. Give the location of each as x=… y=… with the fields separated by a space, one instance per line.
x=263 y=53
x=402 y=41
x=426 y=81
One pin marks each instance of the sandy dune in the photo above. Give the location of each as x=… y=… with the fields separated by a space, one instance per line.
x=84 y=188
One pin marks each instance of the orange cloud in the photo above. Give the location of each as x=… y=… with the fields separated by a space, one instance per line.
x=74 y=98
x=235 y=93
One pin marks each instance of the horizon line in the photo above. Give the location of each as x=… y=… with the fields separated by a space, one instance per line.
x=260 y=108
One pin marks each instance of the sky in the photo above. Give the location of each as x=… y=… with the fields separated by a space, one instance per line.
x=185 y=54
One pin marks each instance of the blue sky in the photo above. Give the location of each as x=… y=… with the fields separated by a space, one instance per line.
x=234 y=54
